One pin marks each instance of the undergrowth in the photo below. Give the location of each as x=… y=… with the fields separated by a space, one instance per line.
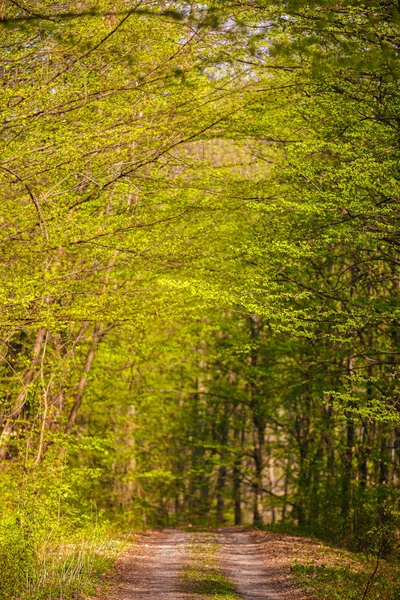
x=340 y=575
x=53 y=545
x=53 y=564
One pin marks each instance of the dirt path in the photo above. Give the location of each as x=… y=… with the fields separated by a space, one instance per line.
x=259 y=567
x=152 y=570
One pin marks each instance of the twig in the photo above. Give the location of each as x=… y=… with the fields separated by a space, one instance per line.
x=374 y=572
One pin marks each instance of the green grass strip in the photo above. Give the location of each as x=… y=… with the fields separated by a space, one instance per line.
x=202 y=576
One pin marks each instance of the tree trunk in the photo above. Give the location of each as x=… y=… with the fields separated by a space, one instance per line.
x=239 y=434
x=97 y=337
x=348 y=456
x=222 y=471
x=257 y=487
x=21 y=398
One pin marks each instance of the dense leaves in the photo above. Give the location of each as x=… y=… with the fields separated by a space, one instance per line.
x=199 y=256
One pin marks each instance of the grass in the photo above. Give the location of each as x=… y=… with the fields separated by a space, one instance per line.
x=342 y=575
x=74 y=572
x=209 y=583
x=326 y=572
x=64 y=570
x=202 y=577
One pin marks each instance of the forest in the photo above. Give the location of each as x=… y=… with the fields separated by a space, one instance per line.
x=199 y=241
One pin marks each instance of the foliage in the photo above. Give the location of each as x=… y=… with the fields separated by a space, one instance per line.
x=199 y=266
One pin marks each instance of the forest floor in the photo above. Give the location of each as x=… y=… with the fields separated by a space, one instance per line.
x=235 y=563
x=228 y=564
